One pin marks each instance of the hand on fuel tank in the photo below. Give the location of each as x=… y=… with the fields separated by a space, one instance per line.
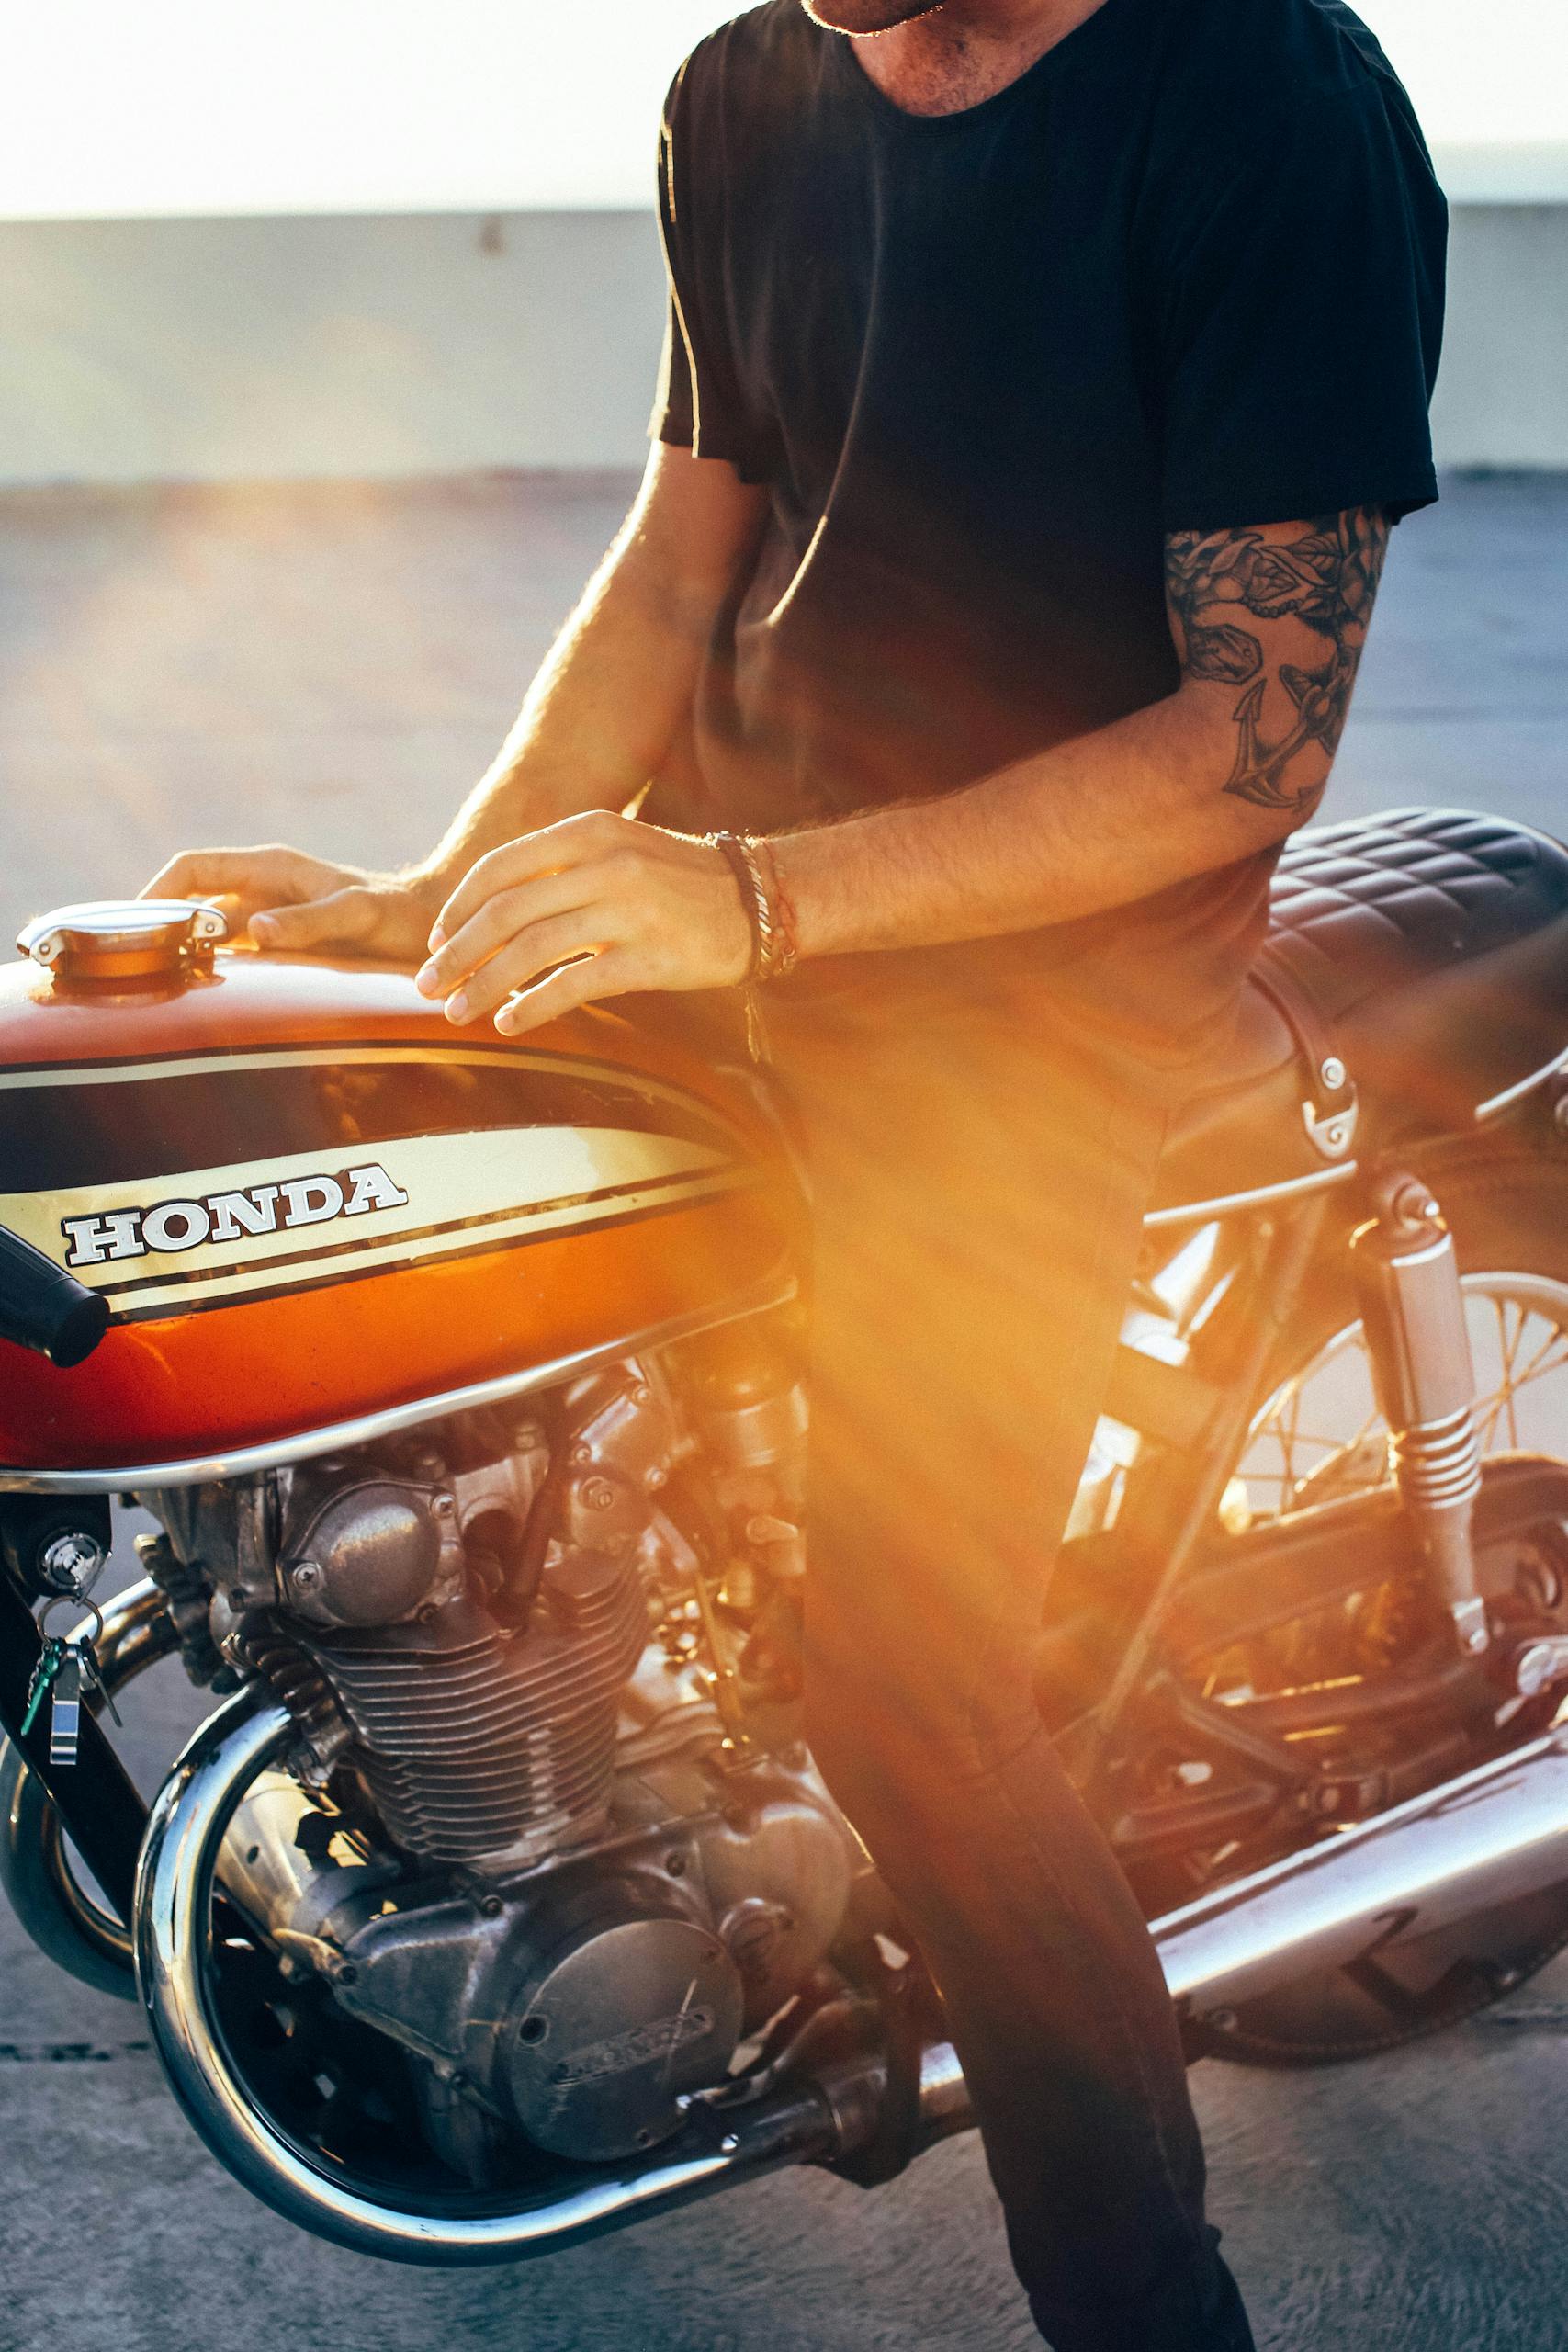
x=596 y=906
x=292 y=902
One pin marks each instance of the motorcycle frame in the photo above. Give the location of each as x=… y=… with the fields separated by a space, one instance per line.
x=1275 y=1236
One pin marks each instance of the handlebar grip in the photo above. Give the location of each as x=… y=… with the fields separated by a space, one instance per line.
x=43 y=1308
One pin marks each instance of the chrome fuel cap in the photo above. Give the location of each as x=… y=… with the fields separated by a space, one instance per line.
x=124 y=939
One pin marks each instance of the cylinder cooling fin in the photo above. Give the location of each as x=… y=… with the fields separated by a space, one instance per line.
x=481 y=1744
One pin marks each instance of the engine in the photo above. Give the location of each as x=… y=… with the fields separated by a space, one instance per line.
x=542 y=1852
x=534 y=1832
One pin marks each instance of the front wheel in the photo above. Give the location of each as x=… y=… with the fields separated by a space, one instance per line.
x=63 y=1917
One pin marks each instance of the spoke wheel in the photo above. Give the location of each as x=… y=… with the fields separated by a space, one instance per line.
x=1320 y=1437
x=1321 y=1434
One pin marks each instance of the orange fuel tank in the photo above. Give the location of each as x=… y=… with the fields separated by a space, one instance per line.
x=317 y=1210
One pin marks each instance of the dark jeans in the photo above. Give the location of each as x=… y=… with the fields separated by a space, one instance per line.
x=977 y=1191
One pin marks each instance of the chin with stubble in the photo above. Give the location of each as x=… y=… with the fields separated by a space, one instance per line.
x=859 y=16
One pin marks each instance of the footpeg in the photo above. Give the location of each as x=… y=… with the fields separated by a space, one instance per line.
x=1413 y=1309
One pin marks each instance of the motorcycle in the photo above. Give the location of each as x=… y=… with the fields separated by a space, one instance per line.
x=498 y=1902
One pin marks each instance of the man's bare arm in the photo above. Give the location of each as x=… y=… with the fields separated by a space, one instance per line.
x=1269 y=625
x=593 y=729
x=602 y=711
x=1230 y=591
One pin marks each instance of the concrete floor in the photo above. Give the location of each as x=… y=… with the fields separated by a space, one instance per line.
x=333 y=665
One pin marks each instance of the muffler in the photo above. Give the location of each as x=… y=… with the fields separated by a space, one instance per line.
x=1472 y=1845
x=1493 y=1834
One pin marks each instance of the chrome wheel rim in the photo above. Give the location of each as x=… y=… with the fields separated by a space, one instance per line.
x=1320 y=1435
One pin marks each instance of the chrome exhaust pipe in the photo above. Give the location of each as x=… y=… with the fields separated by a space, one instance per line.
x=175 y=1881
x=1471 y=1845
x=1493 y=1835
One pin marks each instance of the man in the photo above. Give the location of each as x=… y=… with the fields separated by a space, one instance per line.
x=1043 y=380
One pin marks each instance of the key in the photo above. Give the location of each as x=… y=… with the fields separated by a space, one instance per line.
x=66 y=1707
x=44 y=1673
x=92 y=1679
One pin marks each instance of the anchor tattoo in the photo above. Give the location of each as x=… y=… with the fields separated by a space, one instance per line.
x=1325 y=577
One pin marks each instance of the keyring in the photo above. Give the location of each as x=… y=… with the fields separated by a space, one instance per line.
x=70 y=1601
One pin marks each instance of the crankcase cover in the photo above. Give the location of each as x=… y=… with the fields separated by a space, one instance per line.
x=614 y=2027
x=777 y=1869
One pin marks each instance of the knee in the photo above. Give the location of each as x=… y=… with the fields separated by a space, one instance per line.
x=889 y=1748
x=860 y=1733
x=837 y=1735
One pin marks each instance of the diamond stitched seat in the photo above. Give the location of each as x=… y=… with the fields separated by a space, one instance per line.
x=1432 y=946
x=1386 y=900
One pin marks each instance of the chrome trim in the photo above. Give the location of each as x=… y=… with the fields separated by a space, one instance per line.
x=305 y=1445
x=173 y=1889
x=1331 y=1133
x=945 y=2106
x=1484 y=1839
x=1228 y=1204
x=1512 y=1094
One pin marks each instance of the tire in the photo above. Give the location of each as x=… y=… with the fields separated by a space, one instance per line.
x=62 y=1916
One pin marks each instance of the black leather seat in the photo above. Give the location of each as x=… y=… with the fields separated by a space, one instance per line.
x=1428 y=950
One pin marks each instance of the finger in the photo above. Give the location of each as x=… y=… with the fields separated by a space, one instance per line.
x=611 y=974
x=197 y=874
x=505 y=917
x=342 y=918
x=520 y=962
x=248 y=876
x=576 y=840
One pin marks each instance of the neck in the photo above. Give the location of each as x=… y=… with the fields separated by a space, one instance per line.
x=964 y=51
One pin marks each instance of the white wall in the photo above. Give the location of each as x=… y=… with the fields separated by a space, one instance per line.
x=433 y=343
x=202 y=106
x=1502 y=395
x=304 y=237
x=207 y=350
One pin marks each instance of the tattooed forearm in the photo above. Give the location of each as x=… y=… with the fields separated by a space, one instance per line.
x=1247 y=607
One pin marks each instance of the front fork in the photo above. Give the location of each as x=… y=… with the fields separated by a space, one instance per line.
x=1412 y=1314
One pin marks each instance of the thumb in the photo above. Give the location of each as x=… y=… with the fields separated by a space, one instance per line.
x=341 y=917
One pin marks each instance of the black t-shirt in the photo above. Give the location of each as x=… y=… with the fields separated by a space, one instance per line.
x=1186 y=272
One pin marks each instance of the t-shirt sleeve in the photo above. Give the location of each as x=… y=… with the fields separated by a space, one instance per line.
x=699 y=404
x=1303 y=321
